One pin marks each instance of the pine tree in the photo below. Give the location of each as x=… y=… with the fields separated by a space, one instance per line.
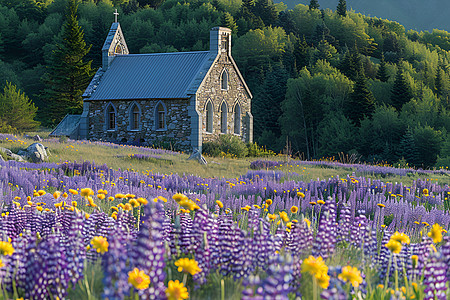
x=400 y=91
x=301 y=54
x=267 y=104
x=382 y=74
x=17 y=112
x=68 y=74
x=351 y=63
x=361 y=103
x=266 y=10
x=408 y=149
x=342 y=8
x=438 y=85
x=228 y=21
x=313 y=4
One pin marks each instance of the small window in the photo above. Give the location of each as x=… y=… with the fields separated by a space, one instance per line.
x=135 y=118
x=118 y=49
x=224 y=81
x=111 y=115
x=237 y=119
x=223 y=118
x=161 y=115
x=209 y=117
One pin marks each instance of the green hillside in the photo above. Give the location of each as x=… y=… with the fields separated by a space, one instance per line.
x=414 y=14
x=323 y=83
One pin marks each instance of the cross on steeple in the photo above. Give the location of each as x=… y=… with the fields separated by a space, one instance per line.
x=115 y=15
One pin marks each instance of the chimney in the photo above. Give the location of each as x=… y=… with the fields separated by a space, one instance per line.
x=220 y=40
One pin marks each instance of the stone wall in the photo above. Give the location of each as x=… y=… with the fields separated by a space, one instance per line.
x=236 y=92
x=177 y=129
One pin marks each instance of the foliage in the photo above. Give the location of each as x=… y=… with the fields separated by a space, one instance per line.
x=361 y=103
x=17 y=112
x=68 y=74
x=400 y=91
x=341 y=8
x=226 y=145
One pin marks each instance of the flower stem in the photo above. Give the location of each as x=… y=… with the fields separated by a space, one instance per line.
x=388 y=270
x=222 y=289
x=314 y=288
x=184 y=279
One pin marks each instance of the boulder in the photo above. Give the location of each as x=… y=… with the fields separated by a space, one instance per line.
x=198 y=157
x=37 y=138
x=8 y=153
x=36 y=153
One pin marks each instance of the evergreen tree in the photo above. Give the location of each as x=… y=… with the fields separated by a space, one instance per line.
x=361 y=103
x=400 y=91
x=351 y=63
x=267 y=104
x=17 y=112
x=342 y=8
x=382 y=74
x=228 y=21
x=408 y=148
x=301 y=54
x=265 y=9
x=313 y=4
x=438 y=84
x=68 y=74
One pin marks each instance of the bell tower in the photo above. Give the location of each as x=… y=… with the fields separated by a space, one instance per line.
x=114 y=44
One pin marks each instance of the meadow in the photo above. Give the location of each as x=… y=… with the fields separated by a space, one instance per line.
x=100 y=220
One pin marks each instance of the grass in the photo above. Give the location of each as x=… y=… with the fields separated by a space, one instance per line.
x=117 y=158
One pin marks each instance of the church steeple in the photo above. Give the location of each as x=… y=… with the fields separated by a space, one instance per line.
x=114 y=44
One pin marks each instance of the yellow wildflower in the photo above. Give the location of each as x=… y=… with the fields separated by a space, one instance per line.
x=138 y=279
x=188 y=266
x=436 y=233
x=352 y=275
x=100 y=244
x=176 y=291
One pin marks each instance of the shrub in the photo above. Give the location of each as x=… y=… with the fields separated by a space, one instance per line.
x=226 y=145
x=211 y=148
x=257 y=151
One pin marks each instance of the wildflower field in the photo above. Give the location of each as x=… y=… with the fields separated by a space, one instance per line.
x=85 y=230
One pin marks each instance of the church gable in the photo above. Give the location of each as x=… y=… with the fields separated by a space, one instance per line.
x=223 y=98
x=114 y=45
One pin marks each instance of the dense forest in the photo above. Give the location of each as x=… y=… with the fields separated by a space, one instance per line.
x=323 y=81
x=413 y=14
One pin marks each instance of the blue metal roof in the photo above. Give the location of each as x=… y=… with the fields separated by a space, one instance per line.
x=150 y=76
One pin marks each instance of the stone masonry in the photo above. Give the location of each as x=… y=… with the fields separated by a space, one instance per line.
x=236 y=93
x=177 y=123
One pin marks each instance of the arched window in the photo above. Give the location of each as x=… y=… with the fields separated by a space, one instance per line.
x=224 y=80
x=160 y=116
x=110 y=117
x=209 y=117
x=237 y=119
x=223 y=118
x=135 y=117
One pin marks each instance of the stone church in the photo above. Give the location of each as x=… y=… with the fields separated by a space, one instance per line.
x=184 y=97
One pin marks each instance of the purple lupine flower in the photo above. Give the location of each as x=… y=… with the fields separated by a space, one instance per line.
x=47 y=270
x=75 y=247
x=435 y=278
x=148 y=252
x=186 y=239
x=252 y=289
x=299 y=239
x=278 y=283
x=114 y=265
x=344 y=223
x=325 y=241
x=445 y=250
